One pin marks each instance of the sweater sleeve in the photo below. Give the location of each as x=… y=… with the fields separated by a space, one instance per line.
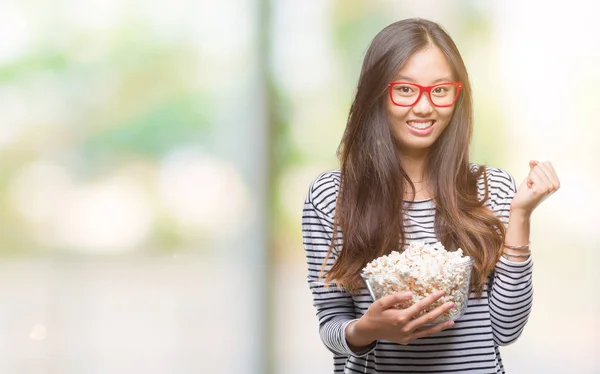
x=335 y=306
x=511 y=293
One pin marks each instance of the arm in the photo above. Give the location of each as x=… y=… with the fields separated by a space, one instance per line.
x=511 y=298
x=511 y=294
x=335 y=307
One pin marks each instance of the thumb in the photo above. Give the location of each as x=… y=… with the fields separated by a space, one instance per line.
x=528 y=182
x=389 y=301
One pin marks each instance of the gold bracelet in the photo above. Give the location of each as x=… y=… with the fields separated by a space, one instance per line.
x=519 y=248
x=517 y=255
x=526 y=246
x=517 y=251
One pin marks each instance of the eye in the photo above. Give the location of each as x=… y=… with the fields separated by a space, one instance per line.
x=444 y=90
x=405 y=89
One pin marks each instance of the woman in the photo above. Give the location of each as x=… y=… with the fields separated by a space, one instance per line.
x=405 y=175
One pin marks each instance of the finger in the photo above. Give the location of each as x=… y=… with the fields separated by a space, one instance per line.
x=533 y=163
x=430 y=330
x=429 y=317
x=541 y=181
x=389 y=301
x=419 y=306
x=528 y=181
x=549 y=164
x=549 y=170
x=553 y=181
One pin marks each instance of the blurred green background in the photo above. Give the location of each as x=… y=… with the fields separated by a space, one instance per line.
x=154 y=158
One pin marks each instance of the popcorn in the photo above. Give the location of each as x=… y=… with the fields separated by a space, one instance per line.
x=422 y=269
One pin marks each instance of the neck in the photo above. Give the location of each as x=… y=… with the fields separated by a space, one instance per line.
x=415 y=167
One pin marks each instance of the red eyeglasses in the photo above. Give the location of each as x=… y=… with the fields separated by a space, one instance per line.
x=440 y=95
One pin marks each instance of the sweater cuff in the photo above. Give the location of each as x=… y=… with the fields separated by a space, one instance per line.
x=362 y=351
x=525 y=265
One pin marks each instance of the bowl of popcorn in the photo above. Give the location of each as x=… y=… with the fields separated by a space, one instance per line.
x=422 y=269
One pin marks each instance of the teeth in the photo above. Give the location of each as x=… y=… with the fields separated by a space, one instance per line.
x=420 y=125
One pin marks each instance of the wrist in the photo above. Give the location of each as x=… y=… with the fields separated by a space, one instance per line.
x=518 y=253
x=358 y=334
x=519 y=214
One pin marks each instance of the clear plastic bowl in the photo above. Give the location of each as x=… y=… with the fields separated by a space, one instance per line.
x=454 y=279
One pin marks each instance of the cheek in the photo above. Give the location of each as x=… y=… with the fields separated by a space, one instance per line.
x=444 y=116
x=396 y=113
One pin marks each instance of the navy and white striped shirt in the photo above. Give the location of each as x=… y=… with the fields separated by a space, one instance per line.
x=471 y=345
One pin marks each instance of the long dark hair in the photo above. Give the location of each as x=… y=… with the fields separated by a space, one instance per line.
x=370 y=205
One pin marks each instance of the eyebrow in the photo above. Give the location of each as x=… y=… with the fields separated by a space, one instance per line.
x=407 y=79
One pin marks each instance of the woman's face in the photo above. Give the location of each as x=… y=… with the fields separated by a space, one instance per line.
x=417 y=127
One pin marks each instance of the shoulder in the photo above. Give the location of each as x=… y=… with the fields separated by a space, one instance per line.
x=324 y=189
x=500 y=183
x=500 y=179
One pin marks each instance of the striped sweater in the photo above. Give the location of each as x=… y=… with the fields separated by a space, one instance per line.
x=471 y=345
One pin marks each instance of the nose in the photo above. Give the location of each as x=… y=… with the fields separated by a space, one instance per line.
x=423 y=105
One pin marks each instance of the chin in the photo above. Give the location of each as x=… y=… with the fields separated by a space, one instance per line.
x=417 y=146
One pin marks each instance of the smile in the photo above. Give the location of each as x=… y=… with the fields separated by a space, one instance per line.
x=420 y=125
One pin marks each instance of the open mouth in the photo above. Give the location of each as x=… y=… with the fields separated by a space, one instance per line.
x=421 y=125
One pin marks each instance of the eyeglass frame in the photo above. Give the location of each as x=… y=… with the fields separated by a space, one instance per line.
x=425 y=89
